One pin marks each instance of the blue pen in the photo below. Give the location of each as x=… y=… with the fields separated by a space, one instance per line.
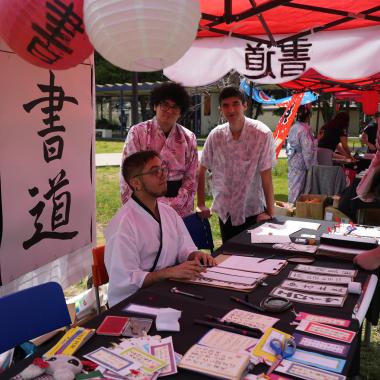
x=350 y=229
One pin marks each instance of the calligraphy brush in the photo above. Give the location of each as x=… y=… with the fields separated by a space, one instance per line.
x=234 y=324
x=225 y=327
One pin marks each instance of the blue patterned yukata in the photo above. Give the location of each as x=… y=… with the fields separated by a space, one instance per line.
x=302 y=155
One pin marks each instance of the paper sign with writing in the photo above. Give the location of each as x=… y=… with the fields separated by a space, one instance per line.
x=112 y=361
x=214 y=362
x=314 y=287
x=165 y=351
x=47 y=172
x=228 y=341
x=309 y=277
x=326 y=331
x=147 y=362
x=328 y=363
x=322 y=345
x=324 y=270
x=310 y=298
x=249 y=319
x=323 y=319
x=306 y=372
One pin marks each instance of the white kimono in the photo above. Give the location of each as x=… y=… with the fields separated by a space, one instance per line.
x=132 y=244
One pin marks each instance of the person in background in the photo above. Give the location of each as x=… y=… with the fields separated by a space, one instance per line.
x=368 y=190
x=302 y=153
x=147 y=241
x=368 y=137
x=240 y=154
x=334 y=136
x=176 y=145
x=366 y=193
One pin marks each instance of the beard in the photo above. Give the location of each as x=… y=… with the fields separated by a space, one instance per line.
x=156 y=192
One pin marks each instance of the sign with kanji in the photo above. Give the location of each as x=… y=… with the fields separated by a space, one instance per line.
x=47 y=203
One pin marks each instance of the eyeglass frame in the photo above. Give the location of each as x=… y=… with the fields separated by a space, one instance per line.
x=157 y=172
x=165 y=106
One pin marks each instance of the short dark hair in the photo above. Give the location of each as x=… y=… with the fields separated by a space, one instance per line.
x=134 y=164
x=303 y=113
x=231 y=92
x=170 y=91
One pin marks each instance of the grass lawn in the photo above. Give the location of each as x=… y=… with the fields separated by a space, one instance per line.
x=109 y=146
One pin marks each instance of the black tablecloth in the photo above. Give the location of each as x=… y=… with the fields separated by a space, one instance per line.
x=217 y=302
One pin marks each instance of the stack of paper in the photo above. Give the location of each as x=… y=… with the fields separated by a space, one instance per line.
x=279 y=233
x=137 y=358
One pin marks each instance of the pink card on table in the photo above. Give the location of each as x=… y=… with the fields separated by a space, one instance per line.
x=323 y=319
x=326 y=331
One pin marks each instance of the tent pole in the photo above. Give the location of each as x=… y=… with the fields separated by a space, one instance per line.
x=318 y=113
x=135 y=99
x=250 y=100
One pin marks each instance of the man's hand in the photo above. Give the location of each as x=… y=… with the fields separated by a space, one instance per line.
x=368 y=260
x=188 y=270
x=204 y=212
x=202 y=258
x=263 y=216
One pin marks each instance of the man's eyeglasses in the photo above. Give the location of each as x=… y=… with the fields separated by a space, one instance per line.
x=157 y=172
x=165 y=106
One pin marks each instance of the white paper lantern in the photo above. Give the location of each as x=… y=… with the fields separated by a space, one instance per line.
x=142 y=35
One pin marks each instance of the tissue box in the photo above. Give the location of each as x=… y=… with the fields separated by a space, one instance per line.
x=283 y=209
x=311 y=206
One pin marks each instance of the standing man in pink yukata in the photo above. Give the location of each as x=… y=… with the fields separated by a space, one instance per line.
x=176 y=145
x=240 y=155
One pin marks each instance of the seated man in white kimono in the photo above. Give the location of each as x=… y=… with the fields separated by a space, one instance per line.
x=146 y=241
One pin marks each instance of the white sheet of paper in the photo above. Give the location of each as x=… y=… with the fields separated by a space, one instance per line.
x=228 y=278
x=309 y=298
x=335 y=248
x=235 y=272
x=313 y=287
x=320 y=278
x=253 y=264
x=220 y=283
x=326 y=270
x=247 y=318
x=135 y=308
x=167 y=319
x=269 y=239
x=279 y=233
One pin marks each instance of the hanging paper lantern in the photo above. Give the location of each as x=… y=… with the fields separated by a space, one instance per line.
x=46 y=33
x=142 y=35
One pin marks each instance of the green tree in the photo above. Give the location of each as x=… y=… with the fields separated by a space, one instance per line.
x=106 y=72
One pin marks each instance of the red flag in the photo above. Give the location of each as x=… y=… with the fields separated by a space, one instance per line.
x=286 y=121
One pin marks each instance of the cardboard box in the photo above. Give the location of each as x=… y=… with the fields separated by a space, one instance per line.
x=311 y=206
x=283 y=209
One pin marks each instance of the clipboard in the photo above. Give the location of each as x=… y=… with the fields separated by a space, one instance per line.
x=225 y=284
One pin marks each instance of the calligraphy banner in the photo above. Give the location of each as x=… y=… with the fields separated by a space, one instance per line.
x=286 y=121
x=341 y=54
x=46 y=172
